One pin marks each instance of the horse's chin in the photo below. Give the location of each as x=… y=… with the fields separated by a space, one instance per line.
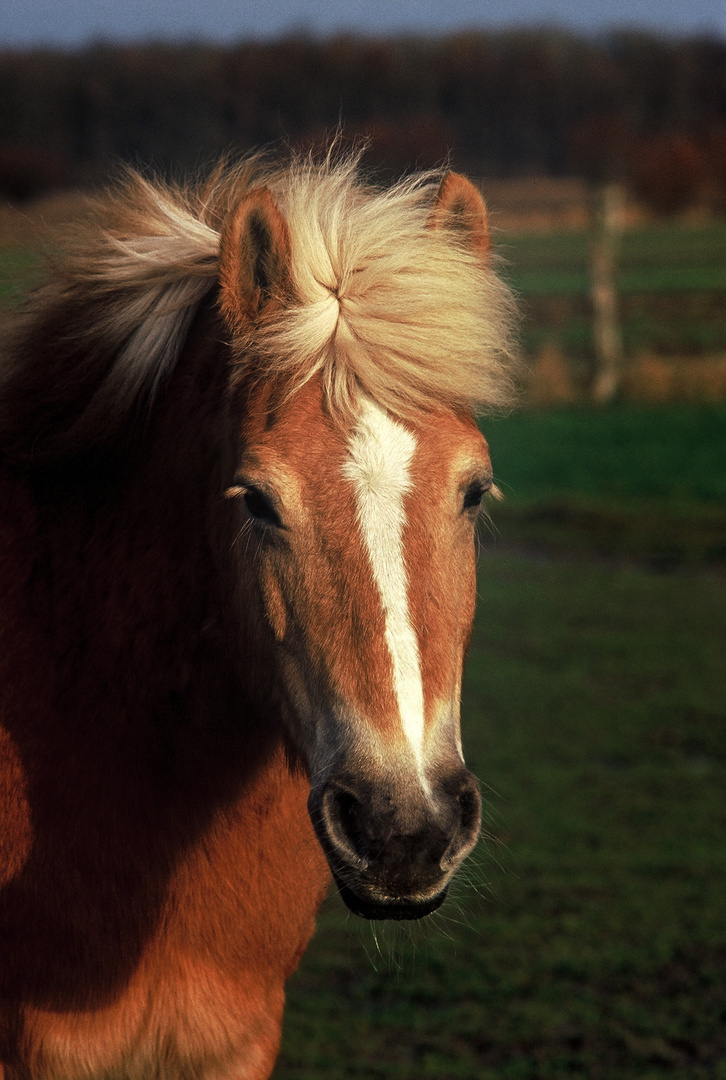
x=398 y=909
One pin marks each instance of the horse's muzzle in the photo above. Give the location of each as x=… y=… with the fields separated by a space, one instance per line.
x=393 y=852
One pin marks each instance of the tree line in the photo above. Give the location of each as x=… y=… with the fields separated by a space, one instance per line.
x=644 y=110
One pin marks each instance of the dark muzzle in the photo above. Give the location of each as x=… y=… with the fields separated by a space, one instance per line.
x=393 y=851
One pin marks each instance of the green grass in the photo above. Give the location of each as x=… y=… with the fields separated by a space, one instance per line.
x=671 y=279
x=640 y=482
x=562 y=281
x=587 y=938
x=654 y=259
x=672 y=454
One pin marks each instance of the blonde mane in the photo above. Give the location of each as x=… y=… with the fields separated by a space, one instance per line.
x=382 y=303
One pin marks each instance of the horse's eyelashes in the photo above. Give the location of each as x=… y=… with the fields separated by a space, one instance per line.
x=474 y=495
x=261 y=508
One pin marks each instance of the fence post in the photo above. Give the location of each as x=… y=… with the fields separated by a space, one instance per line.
x=606 y=225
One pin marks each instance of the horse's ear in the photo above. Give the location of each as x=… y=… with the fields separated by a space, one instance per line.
x=254 y=271
x=458 y=206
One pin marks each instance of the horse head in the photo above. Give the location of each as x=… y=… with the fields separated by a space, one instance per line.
x=355 y=492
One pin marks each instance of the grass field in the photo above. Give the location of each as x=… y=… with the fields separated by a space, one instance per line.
x=656 y=258
x=588 y=936
x=638 y=482
x=672 y=285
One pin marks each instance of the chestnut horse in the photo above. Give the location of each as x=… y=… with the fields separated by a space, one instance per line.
x=239 y=481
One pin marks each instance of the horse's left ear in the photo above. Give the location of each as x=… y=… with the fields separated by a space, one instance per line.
x=254 y=270
x=458 y=206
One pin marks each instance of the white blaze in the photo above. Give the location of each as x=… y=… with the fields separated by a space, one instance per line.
x=380 y=455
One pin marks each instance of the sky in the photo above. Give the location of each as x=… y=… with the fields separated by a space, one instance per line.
x=71 y=23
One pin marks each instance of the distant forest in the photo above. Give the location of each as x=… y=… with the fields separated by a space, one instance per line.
x=649 y=111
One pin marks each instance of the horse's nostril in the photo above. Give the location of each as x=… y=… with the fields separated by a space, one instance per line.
x=342 y=814
x=467 y=802
x=470 y=806
x=348 y=815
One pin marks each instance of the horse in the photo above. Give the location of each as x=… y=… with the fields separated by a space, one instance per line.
x=239 y=478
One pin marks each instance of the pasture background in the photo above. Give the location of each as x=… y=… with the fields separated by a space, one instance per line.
x=588 y=935
x=671 y=282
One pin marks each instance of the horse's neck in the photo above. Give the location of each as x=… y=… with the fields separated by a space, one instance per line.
x=114 y=664
x=119 y=592
x=131 y=740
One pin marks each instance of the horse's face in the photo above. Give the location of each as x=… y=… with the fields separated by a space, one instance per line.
x=363 y=541
x=361 y=533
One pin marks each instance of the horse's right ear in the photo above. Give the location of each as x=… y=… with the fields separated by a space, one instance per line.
x=254 y=271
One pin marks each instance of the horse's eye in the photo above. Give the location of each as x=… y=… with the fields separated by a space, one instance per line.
x=474 y=495
x=261 y=508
